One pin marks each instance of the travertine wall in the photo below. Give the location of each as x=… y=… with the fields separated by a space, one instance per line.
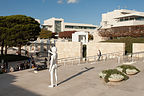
x=69 y=49
x=105 y=48
x=138 y=47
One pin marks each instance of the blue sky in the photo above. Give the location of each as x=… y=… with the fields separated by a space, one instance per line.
x=77 y=11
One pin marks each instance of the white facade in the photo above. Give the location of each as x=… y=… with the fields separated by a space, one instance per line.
x=122 y=17
x=50 y=24
x=58 y=25
x=80 y=37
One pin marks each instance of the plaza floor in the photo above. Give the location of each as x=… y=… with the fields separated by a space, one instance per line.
x=76 y=80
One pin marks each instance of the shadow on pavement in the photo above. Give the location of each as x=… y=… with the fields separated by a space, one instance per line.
x=80 y=73
x=7 y=88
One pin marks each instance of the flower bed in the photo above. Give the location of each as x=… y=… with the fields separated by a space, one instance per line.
x=112 y=75
x=128 y=69
x=116 y=77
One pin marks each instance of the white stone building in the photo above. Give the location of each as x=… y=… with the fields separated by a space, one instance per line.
x=80 y=37
x=58 y=25
x=122 y=17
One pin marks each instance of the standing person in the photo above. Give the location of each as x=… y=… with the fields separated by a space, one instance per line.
x=45 y=63
x=53 y=66
x=26 y=52
x=99 y=55
x=29 y=61
x=33 y=62
x=11 y=69
x=17 y=67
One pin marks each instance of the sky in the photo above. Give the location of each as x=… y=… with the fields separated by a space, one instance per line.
x=75 y=11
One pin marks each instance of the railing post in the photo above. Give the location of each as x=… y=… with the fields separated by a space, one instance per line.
x=79 y=60
x=64 y=62
x=106 y=57
x=95 y=58
x=72 y=62
x=118 y=57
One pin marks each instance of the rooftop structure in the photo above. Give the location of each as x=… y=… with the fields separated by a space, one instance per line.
x=80 y=37
x=122 y=17
x=58 y=25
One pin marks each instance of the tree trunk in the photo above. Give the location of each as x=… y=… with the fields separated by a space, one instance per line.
x=5 y=49
x=2 y=46
x=19 y=49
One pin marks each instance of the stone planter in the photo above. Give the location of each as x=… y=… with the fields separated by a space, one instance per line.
x=102 y=75
x=119 y=69
x=131 y=71
x=113 y=75
x=115 y=78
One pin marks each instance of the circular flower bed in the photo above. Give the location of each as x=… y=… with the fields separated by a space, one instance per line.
x=102 y=75
x=112 y=75
x=128 y=69
x=116 y=77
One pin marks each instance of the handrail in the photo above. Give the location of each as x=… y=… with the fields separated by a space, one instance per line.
x=87 y=59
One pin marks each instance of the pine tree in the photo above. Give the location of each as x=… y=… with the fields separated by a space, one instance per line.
x=19 y=29
x=45 y=34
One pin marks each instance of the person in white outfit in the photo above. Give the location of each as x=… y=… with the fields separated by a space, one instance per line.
x=53 y=66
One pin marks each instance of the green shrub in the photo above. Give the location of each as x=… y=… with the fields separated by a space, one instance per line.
x=113 y=71
x=125 y=67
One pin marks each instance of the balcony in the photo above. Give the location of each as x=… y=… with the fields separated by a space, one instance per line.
x=129 y=23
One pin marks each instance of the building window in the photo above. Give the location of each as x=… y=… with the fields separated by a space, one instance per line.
x=79 y=27
x=57 y=26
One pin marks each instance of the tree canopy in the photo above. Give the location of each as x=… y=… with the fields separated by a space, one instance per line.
x=45 y=34
x=17 y=30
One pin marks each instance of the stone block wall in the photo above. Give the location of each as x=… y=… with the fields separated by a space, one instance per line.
x=105 y=48
x=69 y=49
x=138 y=47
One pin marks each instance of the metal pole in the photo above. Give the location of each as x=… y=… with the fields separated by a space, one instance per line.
x=72 y=62
x=95 y=58
x=64 y=62
x=118 y=59
x=79 y=60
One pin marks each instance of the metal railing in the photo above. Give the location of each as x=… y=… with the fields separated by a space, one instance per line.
x=133 y=57
x=118 y=56
x=90 y=59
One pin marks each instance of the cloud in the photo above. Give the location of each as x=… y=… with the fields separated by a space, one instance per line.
x=72 y=1
x=60 y=1
x=68 y=1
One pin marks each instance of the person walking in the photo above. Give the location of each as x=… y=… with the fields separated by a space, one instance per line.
x=99 y=55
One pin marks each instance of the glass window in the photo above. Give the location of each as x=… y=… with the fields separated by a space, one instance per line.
x=57 y=26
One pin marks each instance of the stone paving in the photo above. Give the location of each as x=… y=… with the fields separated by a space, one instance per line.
x=76 y=80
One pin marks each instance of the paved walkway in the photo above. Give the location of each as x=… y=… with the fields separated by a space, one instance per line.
x=82 y=80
